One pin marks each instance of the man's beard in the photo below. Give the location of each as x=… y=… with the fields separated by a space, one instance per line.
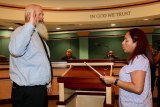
x=41 y=28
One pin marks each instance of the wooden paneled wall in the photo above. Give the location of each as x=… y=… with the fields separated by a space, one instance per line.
x=5 y=82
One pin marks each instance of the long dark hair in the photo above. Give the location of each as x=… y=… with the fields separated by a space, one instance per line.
x=142 y=47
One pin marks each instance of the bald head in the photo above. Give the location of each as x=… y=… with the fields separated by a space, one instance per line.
x=34 y=15
x=30 y=8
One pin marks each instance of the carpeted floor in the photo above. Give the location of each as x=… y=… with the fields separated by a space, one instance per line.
x=52 y=103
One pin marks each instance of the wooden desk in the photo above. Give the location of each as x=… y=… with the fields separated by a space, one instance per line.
x=79 y=81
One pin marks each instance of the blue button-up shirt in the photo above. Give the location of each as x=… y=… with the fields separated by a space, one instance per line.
x=29 y=64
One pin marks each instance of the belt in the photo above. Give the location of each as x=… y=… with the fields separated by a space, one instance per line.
x=15 y=85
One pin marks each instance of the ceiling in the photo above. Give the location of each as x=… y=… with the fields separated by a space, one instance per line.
x=77 y=6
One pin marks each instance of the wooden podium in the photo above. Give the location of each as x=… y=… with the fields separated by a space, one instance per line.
x=80 y=86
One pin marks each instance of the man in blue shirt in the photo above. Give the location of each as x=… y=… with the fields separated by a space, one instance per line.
x=30 y=68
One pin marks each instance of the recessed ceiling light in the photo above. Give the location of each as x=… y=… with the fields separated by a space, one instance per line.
x=145 y=19
x=113 y=24
x=11 y=28
x=58 y=28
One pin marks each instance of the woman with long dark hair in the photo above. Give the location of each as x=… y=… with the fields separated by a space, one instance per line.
x=134 y=79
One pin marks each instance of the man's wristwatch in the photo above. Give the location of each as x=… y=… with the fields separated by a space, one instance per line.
x=116 y=81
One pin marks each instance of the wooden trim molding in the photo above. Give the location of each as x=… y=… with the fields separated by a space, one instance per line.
x=144 y=2
x=3 y=37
